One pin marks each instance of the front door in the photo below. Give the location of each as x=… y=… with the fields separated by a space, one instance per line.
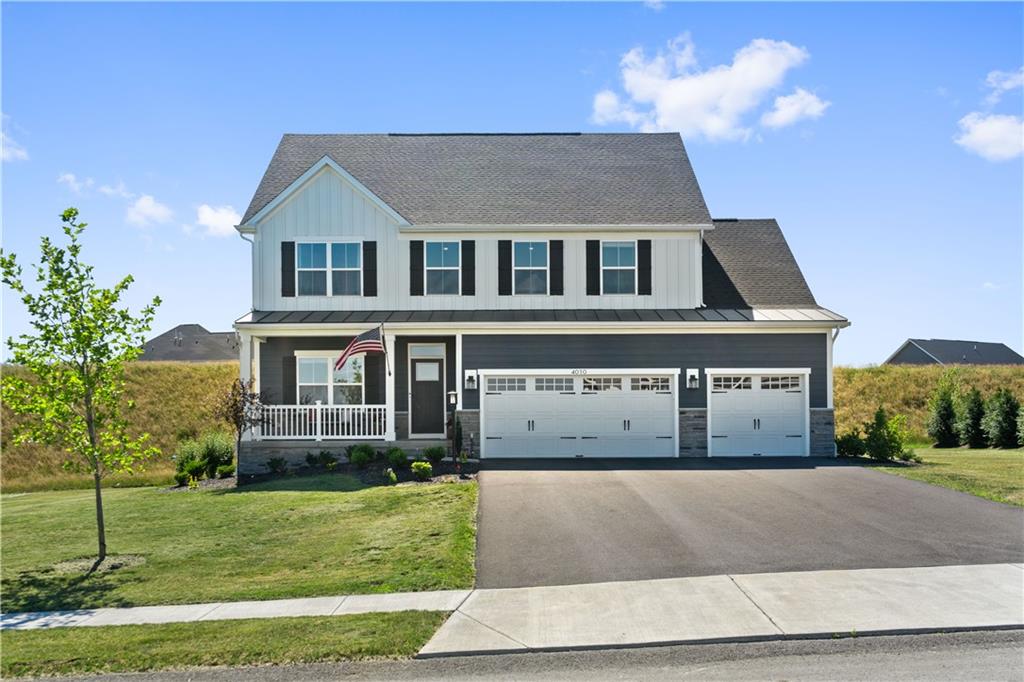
x=427 y=398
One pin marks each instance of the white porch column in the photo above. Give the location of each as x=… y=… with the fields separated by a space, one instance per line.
x=458 y=372
x=256 y=344
x=829 y=339
x=245 y=365
x=389 y=390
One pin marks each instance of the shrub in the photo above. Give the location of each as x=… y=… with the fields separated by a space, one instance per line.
x=195 y=468
x=277 y=465
x=886 y=437
x=368 y=453
x=216 y=449
x=422 y=470
x=312 y=460
x=941 y=416
x=850 y=444
x=1000 y=420
x=188 y=452
x=970 y=411
x=327 y=459
x=435 y=453
x=181 y=478
x=390 y=477
x=397 y=458
x=360 y=457
x=225 y=471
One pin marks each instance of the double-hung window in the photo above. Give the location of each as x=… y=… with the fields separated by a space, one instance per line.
x=530 y=267
x=442 y=268
x=618 y=267
x=342 y=261
x=318 y=380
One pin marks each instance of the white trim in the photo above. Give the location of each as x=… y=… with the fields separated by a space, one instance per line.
x=829 y=383
x=427 y=269
x=328 y=242
x=757 y=370
x=552 y=328
x=547 y=267
x=324 y=162
x=389 y=390
x=458 y=372
x=557 y=227
x=443 y=358
x=329 y=355
x=635 y=267
x=256 y=343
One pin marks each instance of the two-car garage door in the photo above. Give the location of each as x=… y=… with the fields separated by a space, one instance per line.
x=568 y=415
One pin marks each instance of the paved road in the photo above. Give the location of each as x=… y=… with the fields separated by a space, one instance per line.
x=987 y=656
x=556 y=523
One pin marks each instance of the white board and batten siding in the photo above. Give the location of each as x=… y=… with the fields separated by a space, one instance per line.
x=329 y=207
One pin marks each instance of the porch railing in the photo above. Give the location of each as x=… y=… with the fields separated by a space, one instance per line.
x=322 y=422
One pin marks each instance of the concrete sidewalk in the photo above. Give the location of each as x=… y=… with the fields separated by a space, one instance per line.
x=734 y=608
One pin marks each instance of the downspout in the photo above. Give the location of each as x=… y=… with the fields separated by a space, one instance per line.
x=252 y=244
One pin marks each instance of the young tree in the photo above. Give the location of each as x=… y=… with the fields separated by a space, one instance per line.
x=241 y=407
x=75 y=355
x=968 y=420
x=941 y=417
x=1000 y=420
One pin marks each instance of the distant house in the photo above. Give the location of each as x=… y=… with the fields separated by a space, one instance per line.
x=950 y=352
x=192 y=343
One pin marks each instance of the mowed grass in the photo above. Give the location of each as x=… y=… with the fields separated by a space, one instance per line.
x=295 y=537
x=137 y=648
x=993 y=474
x=173 y=401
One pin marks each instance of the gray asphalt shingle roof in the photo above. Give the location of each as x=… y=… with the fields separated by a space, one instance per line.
x=507 y=179
x=191 y=343
x=953 y=352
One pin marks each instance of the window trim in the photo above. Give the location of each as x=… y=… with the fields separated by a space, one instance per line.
x=330 y=356
x=330 y=266
x=547 y=268
x=427 y=268
x=635 y=267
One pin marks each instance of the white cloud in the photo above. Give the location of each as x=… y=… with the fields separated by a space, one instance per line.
x=118 y=190
x=995 y=137
x=990 y=286
x=1001 y=82
x=10 y=150
x=146 y=210
x=656 y=5
x=73 y=183
x=219 y=221
x=669 y=92
x=789 y=109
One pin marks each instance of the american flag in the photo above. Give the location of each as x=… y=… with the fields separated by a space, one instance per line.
x=367 y=342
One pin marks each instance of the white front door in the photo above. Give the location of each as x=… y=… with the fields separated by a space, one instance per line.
x=758 y=415
x=578 y=416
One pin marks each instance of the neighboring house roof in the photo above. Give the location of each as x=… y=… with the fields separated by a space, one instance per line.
x=506 y=179
x=191 y=343
x=747 y=263
x=955 y=352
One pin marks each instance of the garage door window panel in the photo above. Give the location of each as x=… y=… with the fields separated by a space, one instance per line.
x=601 y=384
x=651 y=384
x=555 y=384
x=506 y=384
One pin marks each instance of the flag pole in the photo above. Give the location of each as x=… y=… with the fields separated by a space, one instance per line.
x=384 y=345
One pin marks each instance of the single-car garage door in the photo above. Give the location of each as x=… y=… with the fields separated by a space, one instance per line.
x=583 y=415
x=757 y=414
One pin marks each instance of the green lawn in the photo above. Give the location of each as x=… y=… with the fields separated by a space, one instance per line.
x=295 y=537
x=993 y=474
x=131 y=648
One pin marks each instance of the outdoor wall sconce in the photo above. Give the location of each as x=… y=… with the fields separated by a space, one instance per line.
x=469 y=383
x=693 y=378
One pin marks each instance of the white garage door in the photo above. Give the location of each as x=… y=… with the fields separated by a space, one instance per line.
x=758 y=414
x=579 y=416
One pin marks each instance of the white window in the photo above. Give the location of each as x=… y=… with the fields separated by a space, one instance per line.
x=730 y=383
x=344 y=262
x=618 y=267
x=530 y=268
x=318 y=380
x=442 y=268
x=650 y=384
x=506 y=384
x=780 y=383
x=597 y=384
x=562 y=384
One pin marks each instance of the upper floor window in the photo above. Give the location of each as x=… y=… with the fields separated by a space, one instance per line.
x=343 y=260
x=530 y=267
x=318 y=381
x=618 y=267
x=442 y=268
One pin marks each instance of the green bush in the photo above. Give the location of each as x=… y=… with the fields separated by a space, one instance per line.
x=225 y=471
x=435 y=453
x=397 y=458
x=885 y=437
x=360 y=458
x=327 y=459
x=195 y=469
x=1000 y=420
x=181 y=478
x=941 y=416
x=277 y=465
x=850 y=444
x=422 y=470
x=390 y=477
x=312 y=460
x=216 y=449
x=969 y=413
x=188 y=451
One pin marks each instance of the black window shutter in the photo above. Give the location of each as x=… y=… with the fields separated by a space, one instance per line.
x=593 y=267
x=288 y=395
x=416 y=268
x=643 y=261
x=468 y=267
x=369 y=268
x=288 y=269
x=555 y=249
x=504 y=267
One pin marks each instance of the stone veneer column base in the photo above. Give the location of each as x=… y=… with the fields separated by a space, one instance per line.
x=470 y=420
x=823 y=432
x=693 y=432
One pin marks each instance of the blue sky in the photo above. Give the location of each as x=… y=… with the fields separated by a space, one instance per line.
x=165 y=115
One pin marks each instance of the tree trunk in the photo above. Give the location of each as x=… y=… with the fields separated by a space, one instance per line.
x=100 y=528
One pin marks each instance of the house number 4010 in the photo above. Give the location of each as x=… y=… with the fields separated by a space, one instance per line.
x=578 y=372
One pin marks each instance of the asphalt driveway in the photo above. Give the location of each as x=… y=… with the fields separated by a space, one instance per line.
x=559 y=523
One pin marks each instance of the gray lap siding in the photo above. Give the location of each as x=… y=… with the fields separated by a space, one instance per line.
x=685 y=351
x=277 y=367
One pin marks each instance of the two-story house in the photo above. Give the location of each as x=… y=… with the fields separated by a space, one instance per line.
x=565 y=295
